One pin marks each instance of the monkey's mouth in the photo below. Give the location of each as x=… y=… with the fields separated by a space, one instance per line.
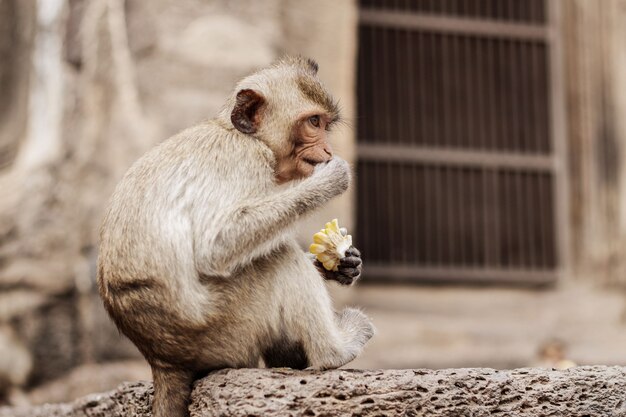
x=312 y=162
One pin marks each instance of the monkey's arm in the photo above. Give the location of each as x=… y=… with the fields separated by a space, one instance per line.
x=256 y=227
x=349 y=269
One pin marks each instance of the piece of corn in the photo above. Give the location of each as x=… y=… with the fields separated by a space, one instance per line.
x=330 y=245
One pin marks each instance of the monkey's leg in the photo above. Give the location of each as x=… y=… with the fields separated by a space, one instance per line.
x=284 y=353
x=331 y=345
x=329 y=339
x=319 y=346
x=172 y=389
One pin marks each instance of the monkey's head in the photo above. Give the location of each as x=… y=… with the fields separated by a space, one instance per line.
x=287 y=108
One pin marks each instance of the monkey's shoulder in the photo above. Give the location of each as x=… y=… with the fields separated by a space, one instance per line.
x=208 y=150
x=204 y=159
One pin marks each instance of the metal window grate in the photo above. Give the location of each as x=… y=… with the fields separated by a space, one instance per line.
x=511 y=10
x=459 y=162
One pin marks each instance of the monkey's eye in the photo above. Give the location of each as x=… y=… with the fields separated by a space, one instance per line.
x=315 y=121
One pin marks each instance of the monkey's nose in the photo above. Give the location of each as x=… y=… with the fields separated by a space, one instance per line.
x=328 y=150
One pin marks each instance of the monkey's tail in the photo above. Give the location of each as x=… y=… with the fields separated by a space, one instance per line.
x=172 y=391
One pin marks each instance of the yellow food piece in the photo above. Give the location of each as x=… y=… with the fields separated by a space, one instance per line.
x=329 y=245
x=316 y=249
x=321 y=238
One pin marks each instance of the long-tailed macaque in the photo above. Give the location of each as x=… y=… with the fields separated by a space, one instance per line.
x=198 y=262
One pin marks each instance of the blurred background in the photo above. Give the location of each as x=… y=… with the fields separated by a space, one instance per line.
x=488 y=139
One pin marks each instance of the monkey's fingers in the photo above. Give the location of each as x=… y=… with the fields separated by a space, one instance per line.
x=320 y=267
x=327 y=275
x=353 y=275
x=350 y=272
x=350 y=262
x=352 y=251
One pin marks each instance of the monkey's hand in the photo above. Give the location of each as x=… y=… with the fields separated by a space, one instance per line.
x=348 y=270
x=329 y=179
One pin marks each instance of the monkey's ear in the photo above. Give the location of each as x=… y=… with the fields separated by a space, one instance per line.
x=313 y=65
x=246 y=115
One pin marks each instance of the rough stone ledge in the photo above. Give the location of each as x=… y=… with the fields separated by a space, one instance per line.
x=595 y=391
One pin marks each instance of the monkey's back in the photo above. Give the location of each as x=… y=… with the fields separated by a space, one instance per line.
x=147 y=239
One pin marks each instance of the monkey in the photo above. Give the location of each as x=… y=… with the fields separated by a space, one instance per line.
x=198 y=263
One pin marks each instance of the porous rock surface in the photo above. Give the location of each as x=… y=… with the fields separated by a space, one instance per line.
x=596 y=391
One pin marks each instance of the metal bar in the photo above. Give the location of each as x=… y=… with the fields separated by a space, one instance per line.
x=526 y=135
x=497 y=11
x=425 y=132
x=446 y=231
x=379 y=226
x=448 y=275
x=413 y=226
x=385 y=188
x=519 y=220
x=492 y=224
x=514 y=96
x=505 y=224
x=401 y=81
x=362 y=231
x=534 y=115
x=483 y=27
x=457 y=191
x=415 y=251
x=545 y=220
x=466 y=73
x=490 y=237
x=482 y=132
x=491 y=138
x=460 y=157
x=535 y=205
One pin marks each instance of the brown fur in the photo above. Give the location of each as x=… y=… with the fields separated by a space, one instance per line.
x=198 y=263
x=313 y=90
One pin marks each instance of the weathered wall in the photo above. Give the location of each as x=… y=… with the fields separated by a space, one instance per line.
x=589 y=391
x=595 y=78
x=88 y=86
